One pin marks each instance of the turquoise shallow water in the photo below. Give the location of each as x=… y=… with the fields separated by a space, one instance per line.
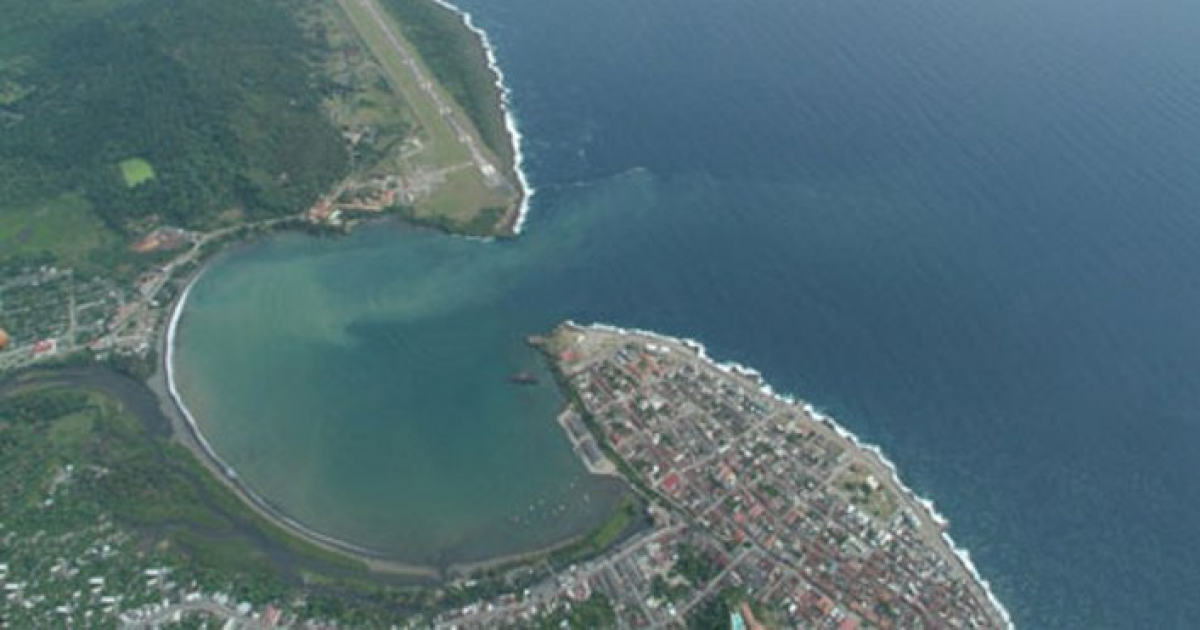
x=967 y=230
x=348 y=385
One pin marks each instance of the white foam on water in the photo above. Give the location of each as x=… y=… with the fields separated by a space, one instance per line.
x=510 y=118
x=730 y=367
x=177 y=399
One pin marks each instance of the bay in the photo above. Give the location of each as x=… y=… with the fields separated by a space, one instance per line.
x=968 y=230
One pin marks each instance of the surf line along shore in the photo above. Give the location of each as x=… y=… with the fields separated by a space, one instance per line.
x=526 y=190
x=509 y=173
x=617 y=374
x=184 y=424
x=187 y=430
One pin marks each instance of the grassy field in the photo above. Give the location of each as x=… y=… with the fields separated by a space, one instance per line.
x=136 y=171
x=617 y=523
x=62 y=229
x=460 y=193
x=625 y=516
x=456 y=58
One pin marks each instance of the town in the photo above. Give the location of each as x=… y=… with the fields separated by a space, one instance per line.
x=759 y=507
x=757 y=503
x=50 y=313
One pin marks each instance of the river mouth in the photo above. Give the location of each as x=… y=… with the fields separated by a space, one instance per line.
x=363 y=388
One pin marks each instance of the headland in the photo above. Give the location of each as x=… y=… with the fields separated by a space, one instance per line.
x=744 y=487
x=458 y=163
x=755 y=496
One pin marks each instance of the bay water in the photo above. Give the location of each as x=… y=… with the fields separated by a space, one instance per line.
x=970 y=231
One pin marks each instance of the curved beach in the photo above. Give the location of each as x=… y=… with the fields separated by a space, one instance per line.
x=188 y=427
x=377 y=559
x=194 y=438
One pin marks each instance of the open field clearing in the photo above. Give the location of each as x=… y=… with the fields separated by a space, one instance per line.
x=64 y=227
x=136 y=171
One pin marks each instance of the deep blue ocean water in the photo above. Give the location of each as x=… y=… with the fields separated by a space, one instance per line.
x=969 y=231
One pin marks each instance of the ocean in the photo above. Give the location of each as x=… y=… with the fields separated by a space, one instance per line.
x=968 y=231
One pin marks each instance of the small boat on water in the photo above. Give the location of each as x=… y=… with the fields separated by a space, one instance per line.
x=523 y=378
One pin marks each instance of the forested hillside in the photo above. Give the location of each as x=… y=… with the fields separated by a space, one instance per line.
x=112 y=111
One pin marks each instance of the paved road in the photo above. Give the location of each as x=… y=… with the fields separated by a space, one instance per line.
x=229 y=616
x=490 y=174
x=547 y=590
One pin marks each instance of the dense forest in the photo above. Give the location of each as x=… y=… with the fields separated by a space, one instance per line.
x=176 y=108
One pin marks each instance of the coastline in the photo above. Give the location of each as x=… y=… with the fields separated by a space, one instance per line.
x=756 y=378
x=188 y=430
x=183 y=425
x=195 y=440
x=515 y=225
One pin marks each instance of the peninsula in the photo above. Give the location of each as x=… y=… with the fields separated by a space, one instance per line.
x=427 y=118
x=760 y=513
x=764 y=509
x=746 y=505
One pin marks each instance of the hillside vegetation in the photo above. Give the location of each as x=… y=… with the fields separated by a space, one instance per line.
x=81 y=471
x=209 y=105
